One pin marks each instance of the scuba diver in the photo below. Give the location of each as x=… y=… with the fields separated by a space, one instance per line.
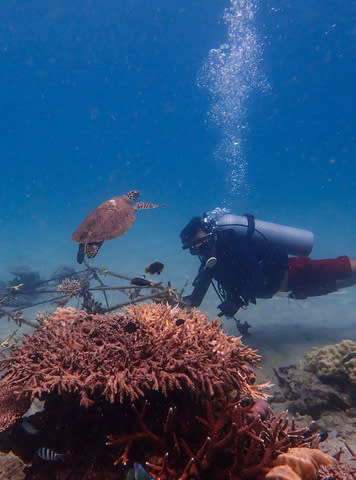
x=251 y=259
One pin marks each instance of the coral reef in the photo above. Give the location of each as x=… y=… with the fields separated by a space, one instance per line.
x=70 y=286
x=154 y=385
x=219 y=441
x=307 y=394
x=175 y=438
x=324 y=380
x=320 y=389
x=333 y=363
x=124 y=355
x=300 y=464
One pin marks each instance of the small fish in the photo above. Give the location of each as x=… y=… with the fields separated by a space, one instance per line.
x=141 y=282
x=130 y=327
x=49 y=455
x=70 y=344
x=16 y=287
x=137 y=472
x=29 y=428
x=6 y=342
x=155 y=267
x=348 y=357
x=323 y=436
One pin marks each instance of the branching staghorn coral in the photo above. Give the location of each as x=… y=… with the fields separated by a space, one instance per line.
x=223 y=441
x=70 y=286
x=124 y=355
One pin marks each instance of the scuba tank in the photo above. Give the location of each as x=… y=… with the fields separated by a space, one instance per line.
x=295 y=240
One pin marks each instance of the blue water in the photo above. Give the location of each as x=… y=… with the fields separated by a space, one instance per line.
x=197 y=104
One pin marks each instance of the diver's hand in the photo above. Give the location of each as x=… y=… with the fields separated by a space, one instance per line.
x=229 y=308
x=188 y=300
x=186 y=303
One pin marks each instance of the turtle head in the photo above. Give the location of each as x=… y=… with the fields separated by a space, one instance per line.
x=132 y=195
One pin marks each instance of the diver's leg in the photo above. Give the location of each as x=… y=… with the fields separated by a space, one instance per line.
x=351 y=280
x=309 y=278
x=306 y=277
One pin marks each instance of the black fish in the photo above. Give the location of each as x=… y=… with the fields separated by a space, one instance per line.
x=142 y=282
x=130 y=327
x=155 y=267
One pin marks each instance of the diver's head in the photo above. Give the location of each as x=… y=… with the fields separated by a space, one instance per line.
x=198 y=235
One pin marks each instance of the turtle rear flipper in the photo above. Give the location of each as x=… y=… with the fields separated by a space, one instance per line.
x=81 y=253
x=92 y=248
x=146 y=205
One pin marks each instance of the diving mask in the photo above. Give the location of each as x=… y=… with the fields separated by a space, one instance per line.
x=202 y=245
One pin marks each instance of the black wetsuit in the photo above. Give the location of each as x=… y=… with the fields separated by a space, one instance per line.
x=244 y=269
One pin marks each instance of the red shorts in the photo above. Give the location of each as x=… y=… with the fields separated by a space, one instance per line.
x=308 y=278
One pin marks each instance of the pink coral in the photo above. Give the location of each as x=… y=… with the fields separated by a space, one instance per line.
x=169 y=390
x=11 y=408
x=124 y=355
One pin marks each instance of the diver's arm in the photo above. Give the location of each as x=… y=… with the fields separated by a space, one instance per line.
x=239 y=294
x=201 y=285
x=253 y=278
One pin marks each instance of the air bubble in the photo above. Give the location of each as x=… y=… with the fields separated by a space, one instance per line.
x=231 y=74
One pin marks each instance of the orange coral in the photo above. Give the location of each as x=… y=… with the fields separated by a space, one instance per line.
x=299 y=464
x=122 y=356
x=282 y=472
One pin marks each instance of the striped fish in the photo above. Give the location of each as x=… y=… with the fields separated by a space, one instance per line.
x=49 y=455
x=346 y=358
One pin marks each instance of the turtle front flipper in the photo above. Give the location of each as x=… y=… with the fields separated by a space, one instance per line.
x=146 y=205
x=92 y=249
x=81 y=253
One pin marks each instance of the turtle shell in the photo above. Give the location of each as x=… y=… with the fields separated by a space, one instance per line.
x=109 y=220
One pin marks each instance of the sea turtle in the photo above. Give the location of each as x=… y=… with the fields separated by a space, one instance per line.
x=109 y=220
